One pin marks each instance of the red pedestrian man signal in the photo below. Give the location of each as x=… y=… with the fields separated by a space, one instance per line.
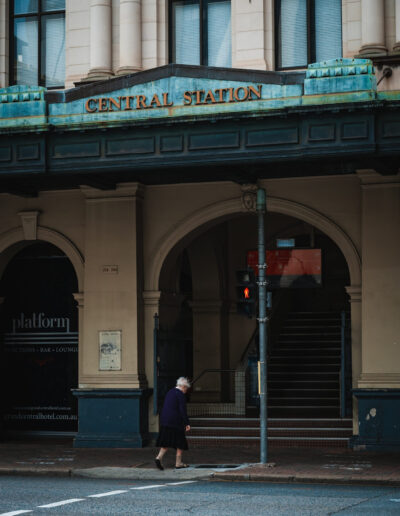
x=246 y=292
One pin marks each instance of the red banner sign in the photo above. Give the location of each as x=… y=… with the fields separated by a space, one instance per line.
x=294 y=268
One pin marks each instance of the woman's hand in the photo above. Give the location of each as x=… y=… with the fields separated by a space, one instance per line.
x=187 y=428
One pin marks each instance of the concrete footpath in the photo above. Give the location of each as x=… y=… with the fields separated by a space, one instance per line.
x=320 y=465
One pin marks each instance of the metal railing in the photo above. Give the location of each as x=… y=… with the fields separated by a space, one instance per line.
x=343 y=364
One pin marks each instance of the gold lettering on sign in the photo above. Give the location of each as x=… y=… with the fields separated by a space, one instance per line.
x=116 y=103
x=187 y=98
x=209 y=96
x=155 y=100
x=141 y=102
x=89 y=107
x=165 y=100
x=190 y=98
x=245 y=91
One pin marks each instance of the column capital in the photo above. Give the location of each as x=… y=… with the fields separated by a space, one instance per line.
x=354 y=292
x=370 y=178
x=151 y=297
x=80 y=299
x=122 y=191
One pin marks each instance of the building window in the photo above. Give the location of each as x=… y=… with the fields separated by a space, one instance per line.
x=307 y=31
x=38 y=43
x=200 y=32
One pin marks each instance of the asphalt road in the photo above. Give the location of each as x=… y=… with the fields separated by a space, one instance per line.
x=55 y=496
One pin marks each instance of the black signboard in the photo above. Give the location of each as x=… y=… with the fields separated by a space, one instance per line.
x=39 y=341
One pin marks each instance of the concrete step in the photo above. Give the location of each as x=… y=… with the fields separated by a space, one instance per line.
x=274 y=442
x=272 y=432
x=247 y=422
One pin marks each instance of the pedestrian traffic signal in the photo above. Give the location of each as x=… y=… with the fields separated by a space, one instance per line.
x=246 y=292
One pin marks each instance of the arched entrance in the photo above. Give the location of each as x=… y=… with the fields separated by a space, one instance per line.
x=305 y=331
x=39 y=339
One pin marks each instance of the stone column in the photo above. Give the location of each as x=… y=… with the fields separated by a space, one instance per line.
x=396 y=47
x=113 y=400
x=354 y=293
x=378 y=390
x=373 y=27
x=130 y=37
x=100 y=40
x=151 y=300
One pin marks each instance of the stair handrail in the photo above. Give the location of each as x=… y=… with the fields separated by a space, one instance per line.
x=342 y=364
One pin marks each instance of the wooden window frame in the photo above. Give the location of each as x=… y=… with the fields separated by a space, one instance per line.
x=38 y=15
x=311 y=49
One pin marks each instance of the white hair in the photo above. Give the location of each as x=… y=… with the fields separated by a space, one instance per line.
x=183 y=382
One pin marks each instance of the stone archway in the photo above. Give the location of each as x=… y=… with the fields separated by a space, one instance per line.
x=217 y=212
x=234 y=206
x=14 y=240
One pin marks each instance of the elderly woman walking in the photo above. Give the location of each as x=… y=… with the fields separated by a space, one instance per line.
x=174 y=423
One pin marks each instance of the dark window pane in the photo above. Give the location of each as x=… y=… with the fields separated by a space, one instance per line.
x=26 y=51
x=53 y=50
x=53 y=5
x=328 y=29
x=219 y=34
x=186 y=34
x=293 y=33
x=25 y=6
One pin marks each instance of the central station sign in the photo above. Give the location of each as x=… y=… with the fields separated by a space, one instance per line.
x=189 y=98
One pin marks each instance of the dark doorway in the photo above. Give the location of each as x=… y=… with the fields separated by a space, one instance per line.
x=175 y=333
x=39 y=329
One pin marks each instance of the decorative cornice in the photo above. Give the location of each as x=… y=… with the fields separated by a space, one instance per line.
x=21 y=94
x=80 y=299
x=151 y=297
x=122 y=192
x=370 y=178
x=355 y=293
x=379 y=380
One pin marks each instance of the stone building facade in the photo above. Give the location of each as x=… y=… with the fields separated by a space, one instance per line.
x=122 y=194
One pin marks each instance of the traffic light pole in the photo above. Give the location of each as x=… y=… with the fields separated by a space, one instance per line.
x=262 y=319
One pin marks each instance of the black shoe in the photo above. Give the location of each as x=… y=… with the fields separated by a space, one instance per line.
x=158 y=464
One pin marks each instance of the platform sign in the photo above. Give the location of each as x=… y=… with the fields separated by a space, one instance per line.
x=290 y=268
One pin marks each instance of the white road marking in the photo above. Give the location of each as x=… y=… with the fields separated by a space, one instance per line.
x=180 y=483
x=109 y=493
x=392 y=500
x=63 y=502
x=13 y=513
x=149 y=487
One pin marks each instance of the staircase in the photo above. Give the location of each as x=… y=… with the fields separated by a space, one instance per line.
x=303 y=392
x=304 y=367
x=245 y=432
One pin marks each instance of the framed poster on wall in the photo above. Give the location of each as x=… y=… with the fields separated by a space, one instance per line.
x=110 y=350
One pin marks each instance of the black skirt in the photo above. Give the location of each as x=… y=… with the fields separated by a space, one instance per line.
x=172 y=438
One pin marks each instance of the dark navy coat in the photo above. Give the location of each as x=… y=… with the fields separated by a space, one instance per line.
x=174 y=410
